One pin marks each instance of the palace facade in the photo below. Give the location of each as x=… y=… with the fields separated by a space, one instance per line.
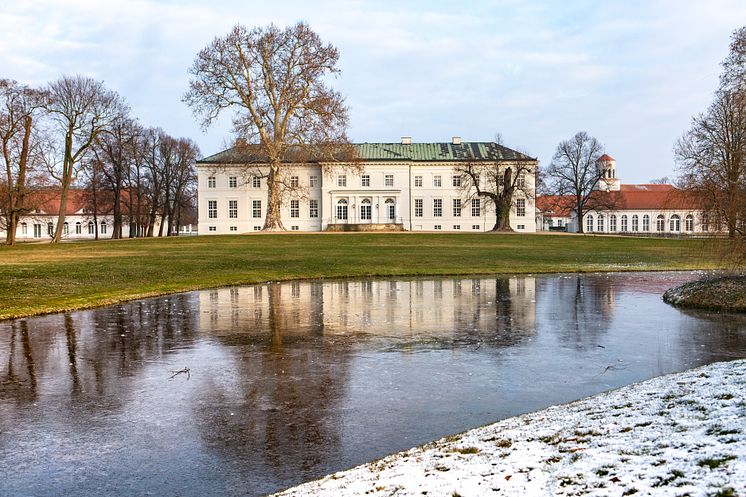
x=399 y=186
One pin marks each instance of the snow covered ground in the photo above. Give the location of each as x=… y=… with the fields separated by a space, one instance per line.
x=681 y=434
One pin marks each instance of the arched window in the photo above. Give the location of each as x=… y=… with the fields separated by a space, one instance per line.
x=103 y=227
x=624 y=223
x=689 y=223
x=24 y=229
x=612 y=223
x=50 y=229
x=660 y=223
x=635 y=223
x=342 y=209
x=90 y=228
x=674 y=224
x=589 y=224
x=365 y=210
x=66 y=229
x=645 y=223
x=390 y=208
x=601 y=223
x=78 y=228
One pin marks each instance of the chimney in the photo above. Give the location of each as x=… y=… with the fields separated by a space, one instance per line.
x=406 y=140
x=456 y=140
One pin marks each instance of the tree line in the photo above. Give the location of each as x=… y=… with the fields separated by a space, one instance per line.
x=76 y=133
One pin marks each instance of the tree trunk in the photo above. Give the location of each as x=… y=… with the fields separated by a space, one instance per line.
x=273 y=220
x=503 y=204
x=63 y=209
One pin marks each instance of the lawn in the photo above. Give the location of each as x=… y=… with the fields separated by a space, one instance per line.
x=42 y=278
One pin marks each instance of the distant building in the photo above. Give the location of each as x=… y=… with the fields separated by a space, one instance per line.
x=655 y=209
x=408 y=186
x=44 y=205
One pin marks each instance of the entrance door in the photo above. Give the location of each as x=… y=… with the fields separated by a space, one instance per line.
x=390 y=210
x=37 y=230
x=342 y=211
x=366 y=212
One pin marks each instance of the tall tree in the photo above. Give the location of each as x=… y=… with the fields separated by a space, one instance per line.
x=81 y=108
x=19 y=110
x=275 y=82
x=574 y=172
x=733 y=76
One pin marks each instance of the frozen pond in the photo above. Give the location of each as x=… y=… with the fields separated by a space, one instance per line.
x=291 y=381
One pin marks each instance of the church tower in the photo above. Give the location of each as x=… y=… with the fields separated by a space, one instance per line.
x=606 y=166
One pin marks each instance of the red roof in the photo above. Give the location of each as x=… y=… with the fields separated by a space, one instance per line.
x=48 y=201
x=630 y=197
x=606 y=157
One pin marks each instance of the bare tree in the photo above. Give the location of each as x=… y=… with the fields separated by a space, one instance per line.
x=574 y=172
x=712 y=160
x=275 y=82
x=19 y=110
x=733 y=77
x=81 y=108
x=499 y=183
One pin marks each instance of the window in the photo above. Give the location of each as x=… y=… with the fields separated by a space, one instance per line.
x=233 y=209
x=66 y=229
x=521 y=227
x=705 y=222
x=294 y=181
x=90 y=228
x=418 y=181
x=37 y=230
x=388 y=180
x=342 y=181
x=457 y=226
x=475 y=226
x=256 y=181
x=645 y=223
x=456 y=180
x=689 y=223
x=520 y=207
x=211 y=182
x=24 y=228
x=635 y=223
x=660 y=223
x=366 y=213
x=601 y=223
x=342 y=210
x=103 y=227
x=521 y=182
x=674 y=224
x=365 y=180
x=589 y=224
x=295 y=208
x=313 y=208
x=456 y=207
x=612 y=223
x=256 y=208
x=234 y=228
x=232 y=182
x=437 y=227
x=50 y=229
x=212 y=228
x=624 y=223
x=313 y=181
x=476 y=207
x=437 y=207
x=476 y=181
x=257 y=228
x=294 y=228
x=418 y=207
x=437 y=181
x=212 y=209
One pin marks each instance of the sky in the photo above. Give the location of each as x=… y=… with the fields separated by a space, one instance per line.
x=631 y=73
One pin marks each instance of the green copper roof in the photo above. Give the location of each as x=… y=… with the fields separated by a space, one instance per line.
x=416 y=152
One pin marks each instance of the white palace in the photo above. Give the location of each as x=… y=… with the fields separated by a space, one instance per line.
x=405 y=186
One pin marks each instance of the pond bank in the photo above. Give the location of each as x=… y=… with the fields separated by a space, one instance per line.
x=680 y=434
x=720 y=293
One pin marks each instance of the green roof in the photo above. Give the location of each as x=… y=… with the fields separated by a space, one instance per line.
x=416 y=152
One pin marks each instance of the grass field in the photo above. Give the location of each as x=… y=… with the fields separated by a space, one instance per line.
x=42 y=278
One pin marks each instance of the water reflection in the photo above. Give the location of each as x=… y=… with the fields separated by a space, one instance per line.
x=292 y=381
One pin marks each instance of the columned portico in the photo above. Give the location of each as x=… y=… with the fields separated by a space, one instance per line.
x=363 y=207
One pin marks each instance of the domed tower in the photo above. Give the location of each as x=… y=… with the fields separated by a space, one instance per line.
x=606 y=166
